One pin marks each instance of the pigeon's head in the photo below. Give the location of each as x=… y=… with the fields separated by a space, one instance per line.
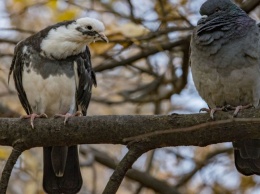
x=90 y=29
x=215 y=8
x=71 y=37
x=83 y=30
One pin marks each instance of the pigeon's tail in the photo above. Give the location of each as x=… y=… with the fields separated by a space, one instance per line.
x=247 y=156
x=67 y=178
x=58 y=159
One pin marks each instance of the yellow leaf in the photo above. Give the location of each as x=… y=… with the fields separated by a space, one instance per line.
x=119 y=38
x=132 y=30
x=4 y=153
x=31 y=187
x=17 y=5
x=247 y=182
x=100 y=47
x=116 y=36
x=52 y=4
x=129 y=30
x=67 y=15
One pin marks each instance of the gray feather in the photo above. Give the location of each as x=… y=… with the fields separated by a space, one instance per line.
x=225 y=65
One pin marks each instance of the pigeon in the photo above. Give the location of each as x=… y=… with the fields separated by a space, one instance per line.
x=225 y=66
x=53 y=77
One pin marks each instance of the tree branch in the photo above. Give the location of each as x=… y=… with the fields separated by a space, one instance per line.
x=142 y=177
x=147 y=171
x=135 y=151
x=140 y=133
x=143 y=54
x=16 y=152
x=250 y=5
x=200 y=165
x=159 y=130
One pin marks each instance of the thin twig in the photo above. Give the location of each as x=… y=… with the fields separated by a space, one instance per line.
x=148 y=168
x=148 y=181
x=199 y=165
x=2 y=40
x=143 y=54
x=192 y=128
x=17 y=29
x=125 y=164
x=16 y=152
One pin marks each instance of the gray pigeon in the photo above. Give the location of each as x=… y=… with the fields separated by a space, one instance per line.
x=225 y=66
x=53 y=75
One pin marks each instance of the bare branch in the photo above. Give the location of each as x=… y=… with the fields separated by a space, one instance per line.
x=250 y=5
x=8 y=41
x=143 y=132
x=142 y=177
x=150 y=51
x=200 y=165
x=147 y=170
x=135 y=151
x=159 y=130
x=16 y=152
x=18 y=29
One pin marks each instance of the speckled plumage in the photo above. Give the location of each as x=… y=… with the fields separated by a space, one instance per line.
x=225 y=63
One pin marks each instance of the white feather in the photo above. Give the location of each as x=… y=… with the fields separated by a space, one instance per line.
x=65 y=41
x=94 y=23
x=56 y=94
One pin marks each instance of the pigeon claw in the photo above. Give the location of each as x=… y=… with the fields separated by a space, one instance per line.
x=68 y=115
x=226 y=108
x=33 y=116
x=204 y=110
x=238 y=108
x=212 y=111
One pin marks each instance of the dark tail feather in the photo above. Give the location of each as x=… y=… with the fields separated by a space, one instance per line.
x=70 y=182
x=247 y=156
x=58 y=159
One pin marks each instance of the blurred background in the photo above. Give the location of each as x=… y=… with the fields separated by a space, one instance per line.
x=144 y=69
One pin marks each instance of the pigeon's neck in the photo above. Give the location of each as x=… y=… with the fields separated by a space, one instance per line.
x=242 y=24
x=61 y=50
x=62 y=42
x=232 y=26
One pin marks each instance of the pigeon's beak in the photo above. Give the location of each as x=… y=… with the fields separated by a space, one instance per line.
x=103 y=37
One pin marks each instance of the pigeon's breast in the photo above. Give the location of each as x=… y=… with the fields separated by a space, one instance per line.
x=240 y=87
x=229 y=76
x=50 y=86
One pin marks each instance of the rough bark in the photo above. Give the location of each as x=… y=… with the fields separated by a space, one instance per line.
x=139 y=133
x=155 y=130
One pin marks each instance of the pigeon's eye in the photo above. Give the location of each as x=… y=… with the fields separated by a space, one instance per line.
x=89 y=27
x=217 y=9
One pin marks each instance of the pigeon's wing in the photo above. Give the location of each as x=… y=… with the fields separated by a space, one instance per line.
x=20 y=59
x=247 y=152
x=85 y=80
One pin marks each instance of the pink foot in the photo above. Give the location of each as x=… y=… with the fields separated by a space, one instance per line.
x=68 y=115
x=226 y=108
x=212 y=111
x=238 y=108
x=33 y=116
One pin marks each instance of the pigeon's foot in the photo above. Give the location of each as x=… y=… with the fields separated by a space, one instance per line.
x=238 y=108
x=68 y=115
x=226 y=108
x=213 y=110
x=33 y=116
